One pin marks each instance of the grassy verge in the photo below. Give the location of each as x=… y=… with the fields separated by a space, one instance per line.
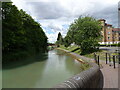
x=114 y=45
x=76 y=49
x=102 y=55
x=84 y=66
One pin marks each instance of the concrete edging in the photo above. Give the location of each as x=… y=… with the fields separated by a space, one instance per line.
x=90 y=78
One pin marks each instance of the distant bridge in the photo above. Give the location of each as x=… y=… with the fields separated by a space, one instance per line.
x=50 y=44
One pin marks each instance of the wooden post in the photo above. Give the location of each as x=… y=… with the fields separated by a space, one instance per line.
x=95 y=57
x=114 y=61
x=119 y=57
x=106 y=58
x=109 y=60
x=98 y=59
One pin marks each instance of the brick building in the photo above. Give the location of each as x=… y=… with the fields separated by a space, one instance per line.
x=110 y=35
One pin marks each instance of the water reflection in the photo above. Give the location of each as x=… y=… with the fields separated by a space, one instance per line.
x=23 y=77
x=1 y=79
x=72 y=70
x=45 y=72
x=29 y=60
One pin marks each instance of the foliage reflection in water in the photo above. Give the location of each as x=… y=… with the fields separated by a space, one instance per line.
x=45 y=72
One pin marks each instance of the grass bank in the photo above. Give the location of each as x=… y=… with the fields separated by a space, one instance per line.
x=76 y=49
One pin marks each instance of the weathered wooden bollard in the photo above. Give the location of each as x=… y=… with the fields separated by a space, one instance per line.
x=109 y=60
x=119 y=57
x=95 y=58
x=106 y=58
x=98 y=60
x=114 y=61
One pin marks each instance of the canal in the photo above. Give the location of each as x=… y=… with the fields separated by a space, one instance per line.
x=48 y=70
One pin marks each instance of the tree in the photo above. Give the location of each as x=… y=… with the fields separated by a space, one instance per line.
x=59 y=39
x=85 y=32
x=68 y=38
x=21 y=34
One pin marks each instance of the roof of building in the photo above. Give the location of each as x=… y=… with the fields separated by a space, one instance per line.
x=101 y=20
x=108 y=24
x=116 y=29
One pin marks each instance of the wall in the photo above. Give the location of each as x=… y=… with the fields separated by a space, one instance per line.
x=109 y=34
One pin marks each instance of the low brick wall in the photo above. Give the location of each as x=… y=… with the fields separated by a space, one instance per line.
x=90 y=78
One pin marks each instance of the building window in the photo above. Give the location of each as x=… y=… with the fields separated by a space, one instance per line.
x=108 y=32
x=108 y=38
x=108 y=27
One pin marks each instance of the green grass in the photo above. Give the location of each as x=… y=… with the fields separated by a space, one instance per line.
x=101 y=53
x=77 y=51
x=118 y=45
x=74 y=49
x=84 y=66
x=62 y=46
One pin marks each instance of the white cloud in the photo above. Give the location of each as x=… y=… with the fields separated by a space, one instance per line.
x=56 y=15
x=52 y=37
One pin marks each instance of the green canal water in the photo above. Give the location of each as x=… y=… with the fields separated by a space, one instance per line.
x=46 y=71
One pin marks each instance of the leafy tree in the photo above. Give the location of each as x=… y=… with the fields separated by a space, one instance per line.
x=85 y=32
x=68 y=38
x=11 y=21
x=21 y=34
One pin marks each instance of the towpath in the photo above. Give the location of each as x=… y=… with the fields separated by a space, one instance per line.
x=110 y=75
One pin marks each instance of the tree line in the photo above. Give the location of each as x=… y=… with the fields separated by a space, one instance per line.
x=21 y=34
x=84 y=32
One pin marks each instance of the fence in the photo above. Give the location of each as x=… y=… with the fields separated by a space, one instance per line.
x=109 y=59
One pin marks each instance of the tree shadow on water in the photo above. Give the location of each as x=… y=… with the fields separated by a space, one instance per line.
x=25 y=61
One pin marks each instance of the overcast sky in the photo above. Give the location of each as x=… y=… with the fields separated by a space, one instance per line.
x=56 y=15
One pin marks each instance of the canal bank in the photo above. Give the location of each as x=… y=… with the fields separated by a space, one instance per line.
x=89 y=78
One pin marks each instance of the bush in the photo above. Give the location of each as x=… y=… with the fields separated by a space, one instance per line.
x=110 y=44
x=119 y=44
